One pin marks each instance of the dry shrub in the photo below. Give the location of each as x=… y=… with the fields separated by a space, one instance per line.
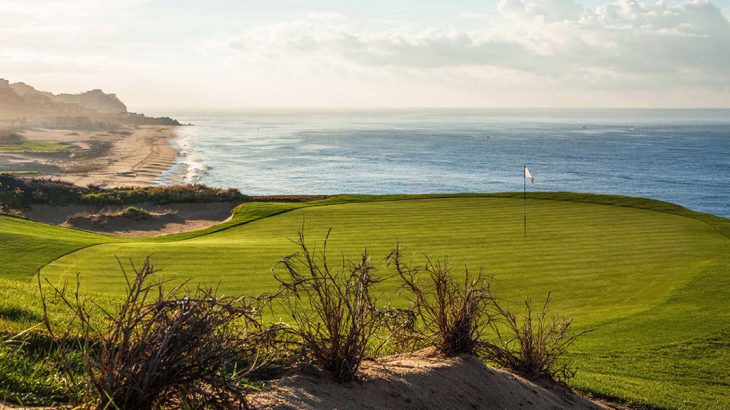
x=158 y=349
x=532 y=343
x=448 y=314
x=333 y=309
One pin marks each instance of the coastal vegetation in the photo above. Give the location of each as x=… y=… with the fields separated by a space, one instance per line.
x=647 y=278
x=17 y=193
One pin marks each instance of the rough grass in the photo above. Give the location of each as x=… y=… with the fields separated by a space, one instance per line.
x=29 y=371
x=27 y=374
x=651 y=278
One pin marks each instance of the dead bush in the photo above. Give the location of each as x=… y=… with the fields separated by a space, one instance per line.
x=533 y=343
x=159 y=349
x=334 y=312
x=448 y=314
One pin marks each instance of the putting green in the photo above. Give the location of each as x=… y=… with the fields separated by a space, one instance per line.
x=654 y=286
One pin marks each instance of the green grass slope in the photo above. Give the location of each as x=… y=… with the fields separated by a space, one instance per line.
x=26 y=246
x=651 y=278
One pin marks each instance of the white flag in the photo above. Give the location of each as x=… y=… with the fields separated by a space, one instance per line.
x=529 y=175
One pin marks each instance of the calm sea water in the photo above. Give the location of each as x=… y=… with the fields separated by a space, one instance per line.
x=681 y=156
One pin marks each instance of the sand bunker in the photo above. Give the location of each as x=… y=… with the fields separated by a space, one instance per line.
x=154 y=220
x=124 y=219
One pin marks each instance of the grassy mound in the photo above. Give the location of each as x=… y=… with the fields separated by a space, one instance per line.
x=652 y=279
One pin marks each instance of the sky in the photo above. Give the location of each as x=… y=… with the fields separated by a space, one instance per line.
x=226 y=54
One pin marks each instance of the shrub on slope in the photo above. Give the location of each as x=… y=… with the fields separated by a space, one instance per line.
x=334 y=312
x=451 y=316
x=158 y=349
x=337 y=320
x=533 y=343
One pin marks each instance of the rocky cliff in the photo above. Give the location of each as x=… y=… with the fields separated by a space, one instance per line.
x=22 y=103
x=94 y=100
x=8 y=97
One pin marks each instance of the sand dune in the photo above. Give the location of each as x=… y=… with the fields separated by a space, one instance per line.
x=420 y=380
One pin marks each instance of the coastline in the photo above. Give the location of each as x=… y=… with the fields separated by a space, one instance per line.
x=133 y=156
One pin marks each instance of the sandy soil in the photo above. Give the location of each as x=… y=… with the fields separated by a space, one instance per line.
x=125 y=157
x=420 y=380
x=187 y=217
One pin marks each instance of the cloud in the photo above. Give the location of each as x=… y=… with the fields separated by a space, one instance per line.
x=519 y=53
x=325 y=15
x=546 y=10
x=619 y=44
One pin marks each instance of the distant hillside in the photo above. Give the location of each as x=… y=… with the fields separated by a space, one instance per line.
x=94 y=100
x=24 y=104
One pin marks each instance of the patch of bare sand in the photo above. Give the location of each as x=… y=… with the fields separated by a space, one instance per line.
x=419 y=380
x=183 y=218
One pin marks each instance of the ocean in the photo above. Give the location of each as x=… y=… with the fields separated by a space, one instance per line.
x=680 y=156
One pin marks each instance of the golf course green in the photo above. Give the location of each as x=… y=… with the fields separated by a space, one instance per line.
x=651 y=280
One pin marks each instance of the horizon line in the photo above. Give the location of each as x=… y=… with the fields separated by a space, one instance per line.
x=416 y=108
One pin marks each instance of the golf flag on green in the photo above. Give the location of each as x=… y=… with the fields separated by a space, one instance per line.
x=525 y=175
x=528 y=175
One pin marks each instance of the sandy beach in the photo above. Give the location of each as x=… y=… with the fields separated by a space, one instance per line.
x=133 y=156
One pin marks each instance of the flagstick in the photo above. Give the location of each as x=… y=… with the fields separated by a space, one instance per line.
x=524 y=194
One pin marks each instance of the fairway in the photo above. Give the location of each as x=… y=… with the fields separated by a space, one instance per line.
x=654 y=286
x=34 y=147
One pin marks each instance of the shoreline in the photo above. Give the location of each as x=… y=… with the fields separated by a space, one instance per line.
x=135 y=160
x=121 y=158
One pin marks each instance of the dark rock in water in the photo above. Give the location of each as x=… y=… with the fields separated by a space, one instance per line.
x=141 y=119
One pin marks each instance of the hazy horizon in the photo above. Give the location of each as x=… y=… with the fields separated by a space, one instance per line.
x=512 y=54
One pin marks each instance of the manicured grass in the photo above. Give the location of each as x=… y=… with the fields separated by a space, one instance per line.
x=26 y=246
x=34 y=146
x=652 y=279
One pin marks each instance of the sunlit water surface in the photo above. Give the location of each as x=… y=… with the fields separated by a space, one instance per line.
x=682 y=156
